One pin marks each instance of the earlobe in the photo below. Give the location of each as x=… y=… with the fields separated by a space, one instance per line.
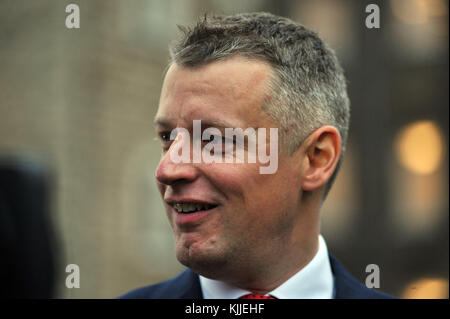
x=322 y=156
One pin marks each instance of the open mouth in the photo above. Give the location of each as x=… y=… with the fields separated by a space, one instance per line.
x=189 y=208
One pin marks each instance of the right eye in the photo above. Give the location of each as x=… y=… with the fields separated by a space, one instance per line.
x=165 y=140
x=215 y=138
x=164 y=136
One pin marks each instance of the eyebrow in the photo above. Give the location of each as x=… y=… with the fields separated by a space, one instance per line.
x=161 y=121
x=216 y=123
x=205 y=123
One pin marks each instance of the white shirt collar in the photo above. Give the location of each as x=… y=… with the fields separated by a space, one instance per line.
x=314 y=281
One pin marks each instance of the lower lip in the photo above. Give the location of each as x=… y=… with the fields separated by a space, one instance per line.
x=191 y=218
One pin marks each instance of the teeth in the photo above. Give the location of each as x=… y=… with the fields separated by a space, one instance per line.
x=190 y=207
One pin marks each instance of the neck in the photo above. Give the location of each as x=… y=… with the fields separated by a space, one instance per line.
x=263 y=273
x=274 y=275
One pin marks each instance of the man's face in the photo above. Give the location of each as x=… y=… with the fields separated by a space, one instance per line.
x=252 y=214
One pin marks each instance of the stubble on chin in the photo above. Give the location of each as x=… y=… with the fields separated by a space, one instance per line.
x=210 y=262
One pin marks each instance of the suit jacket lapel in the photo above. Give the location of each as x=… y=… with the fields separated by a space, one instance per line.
x=345 y=285
x=188 y=286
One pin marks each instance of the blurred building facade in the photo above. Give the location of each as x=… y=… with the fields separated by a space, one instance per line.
x=83 y=101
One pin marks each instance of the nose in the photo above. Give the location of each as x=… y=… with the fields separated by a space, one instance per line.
x=169 y=172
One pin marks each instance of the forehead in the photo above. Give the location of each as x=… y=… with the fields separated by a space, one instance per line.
x=233 y=89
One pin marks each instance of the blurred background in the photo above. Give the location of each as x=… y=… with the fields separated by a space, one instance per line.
x=79 y=104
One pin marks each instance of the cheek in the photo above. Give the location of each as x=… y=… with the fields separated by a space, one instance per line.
x=248 y=193
x=268 y=195
x=233 y=180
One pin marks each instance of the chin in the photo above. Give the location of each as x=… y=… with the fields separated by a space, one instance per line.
x=206 y=262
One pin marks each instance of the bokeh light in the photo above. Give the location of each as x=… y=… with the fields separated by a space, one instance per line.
x=427 y=288
x=419 y=147
x=418 y=11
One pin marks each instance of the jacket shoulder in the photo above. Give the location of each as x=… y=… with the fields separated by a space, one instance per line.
x=184 y=286
x=347 y=287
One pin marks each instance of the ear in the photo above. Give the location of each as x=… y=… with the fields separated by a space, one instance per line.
x=323 y=148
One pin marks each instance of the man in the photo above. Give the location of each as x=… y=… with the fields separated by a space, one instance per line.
x=242 y=233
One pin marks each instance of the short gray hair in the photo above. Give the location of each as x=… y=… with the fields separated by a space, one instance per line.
x=308 y=84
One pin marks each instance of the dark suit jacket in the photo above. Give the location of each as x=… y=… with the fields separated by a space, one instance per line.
x=187 y=286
